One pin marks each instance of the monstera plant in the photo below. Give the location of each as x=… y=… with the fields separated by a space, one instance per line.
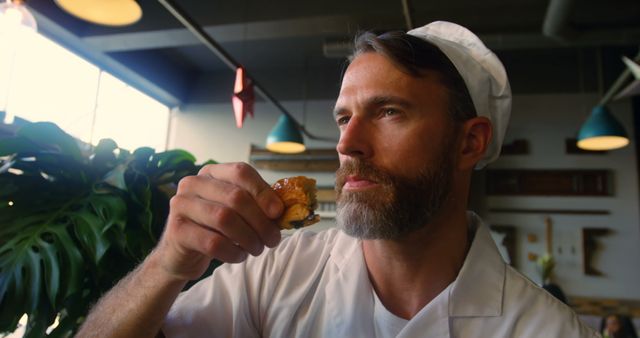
x=73 y=220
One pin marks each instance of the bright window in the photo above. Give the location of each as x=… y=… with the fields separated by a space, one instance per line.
x=42 y=81
x=128 y=116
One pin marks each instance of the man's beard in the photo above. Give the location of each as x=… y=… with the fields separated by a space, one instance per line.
x=399 y=205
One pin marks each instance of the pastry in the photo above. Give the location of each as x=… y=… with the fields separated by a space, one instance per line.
x=299 y=196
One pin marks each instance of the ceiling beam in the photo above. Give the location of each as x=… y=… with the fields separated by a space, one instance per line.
x=341 y=48
x=587 y=38
x=301 y=84
x=263 y=30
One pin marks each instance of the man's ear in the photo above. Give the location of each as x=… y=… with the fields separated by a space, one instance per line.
x=476 y=135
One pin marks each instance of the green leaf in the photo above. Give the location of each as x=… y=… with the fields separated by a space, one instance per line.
x=49 y=134
x=65 y=328
x=51 y=270
x=104 y=157
x=39 y=321
x=73 y=264
x=29 y=251
x=80 y=220
x=112 y=210
x=105 y=146
x=34 y=277
x=115 y=177
x=88 y=228
x=123 y=155
x=169 y=159
x=12 y=298
x=138 y=185
x=142 y=156
x=18 y=144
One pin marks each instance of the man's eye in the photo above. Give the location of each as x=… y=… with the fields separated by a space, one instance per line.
x=342 y=120
x=389 y=112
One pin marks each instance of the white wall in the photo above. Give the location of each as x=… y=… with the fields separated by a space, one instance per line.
x=545 y=121
x=208 y=131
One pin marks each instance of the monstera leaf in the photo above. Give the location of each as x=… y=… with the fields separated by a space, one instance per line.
x=74 y=220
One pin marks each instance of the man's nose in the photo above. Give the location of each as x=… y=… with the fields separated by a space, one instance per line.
x=355 y=139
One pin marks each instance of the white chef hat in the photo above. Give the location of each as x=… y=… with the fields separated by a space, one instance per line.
x=482 y=72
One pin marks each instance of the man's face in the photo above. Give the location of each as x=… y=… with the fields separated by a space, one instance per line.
x=396 y=149
x=613 y=324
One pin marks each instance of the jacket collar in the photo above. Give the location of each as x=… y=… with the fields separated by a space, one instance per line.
x=345 y=249
x=349 y=292
x=479 y=287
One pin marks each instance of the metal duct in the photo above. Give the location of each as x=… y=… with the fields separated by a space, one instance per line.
x=556 y=21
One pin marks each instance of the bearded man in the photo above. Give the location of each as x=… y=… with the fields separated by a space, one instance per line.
x=417 y=113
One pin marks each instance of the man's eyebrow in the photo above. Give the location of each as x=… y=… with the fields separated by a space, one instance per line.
x=387 y=99
x=376 y=101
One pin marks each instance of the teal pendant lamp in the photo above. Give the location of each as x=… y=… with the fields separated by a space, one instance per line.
x=602 y=131
x=285 y=137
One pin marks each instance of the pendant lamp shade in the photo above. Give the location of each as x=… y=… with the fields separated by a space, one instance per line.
x=103 y=12
x=602 y=131
x=285 y=137
x=14 y=16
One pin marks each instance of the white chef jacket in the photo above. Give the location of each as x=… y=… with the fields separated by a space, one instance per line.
x=317 y=285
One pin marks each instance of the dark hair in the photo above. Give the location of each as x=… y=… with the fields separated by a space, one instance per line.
x=414 y=56
x=555 y=291
x=627 y=329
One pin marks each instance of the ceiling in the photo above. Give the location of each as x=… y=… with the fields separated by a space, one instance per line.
x=296 y=49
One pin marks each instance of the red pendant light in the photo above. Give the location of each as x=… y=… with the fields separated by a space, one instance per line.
x=243 y=97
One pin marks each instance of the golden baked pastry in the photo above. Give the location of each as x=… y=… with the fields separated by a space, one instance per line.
x=299 y=196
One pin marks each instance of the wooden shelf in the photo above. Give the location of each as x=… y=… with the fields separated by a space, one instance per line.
x=528 y=182
x=311 y=160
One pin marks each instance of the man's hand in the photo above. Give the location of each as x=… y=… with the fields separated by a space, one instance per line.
x=225 y=212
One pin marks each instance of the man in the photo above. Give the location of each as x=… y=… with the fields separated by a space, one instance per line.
x=417 y=113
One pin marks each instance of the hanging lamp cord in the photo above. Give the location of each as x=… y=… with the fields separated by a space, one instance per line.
x=228 y=60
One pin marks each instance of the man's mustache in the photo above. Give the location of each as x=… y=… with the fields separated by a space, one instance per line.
x=363 y=170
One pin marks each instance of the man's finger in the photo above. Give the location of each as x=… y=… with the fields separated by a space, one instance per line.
x=219 y=218
x=210 y=243
x=236 y=198
x=247 y=178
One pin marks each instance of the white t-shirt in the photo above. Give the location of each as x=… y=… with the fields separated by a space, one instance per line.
x=317 y=285
x=385 y=323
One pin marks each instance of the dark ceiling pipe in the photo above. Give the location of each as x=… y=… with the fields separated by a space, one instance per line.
x=217 y=49
x=557 y=25
x=406 y=11
x=556 y=21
